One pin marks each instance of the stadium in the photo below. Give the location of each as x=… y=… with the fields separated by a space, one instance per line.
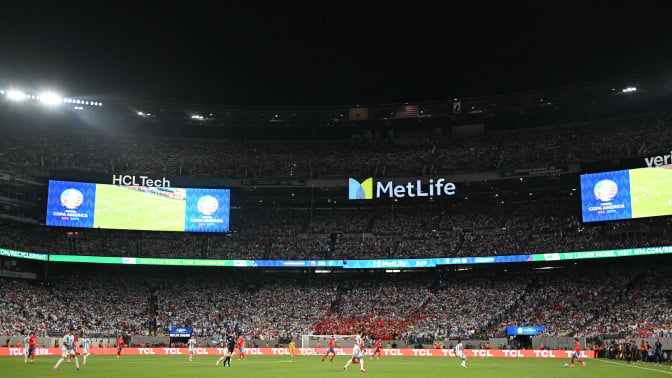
x=487 y=235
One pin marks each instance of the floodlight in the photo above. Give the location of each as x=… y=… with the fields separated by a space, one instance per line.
x=50 y=98
x=16 y=95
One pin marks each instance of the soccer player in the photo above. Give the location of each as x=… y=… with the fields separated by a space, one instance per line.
x=330 y=349
x=459 y=353
x=86 y=345
x=292 y=346
x=379 y=345
x=192 y=346
x=577 y=353
x=356 y=354
x=76 y=353
x=68 y=349
x=120 y=345
x=230 y=345
x=26 y=347
x=241 y=348
x=32 y=346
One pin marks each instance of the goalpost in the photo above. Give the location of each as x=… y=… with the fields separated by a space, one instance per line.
x=311 y=341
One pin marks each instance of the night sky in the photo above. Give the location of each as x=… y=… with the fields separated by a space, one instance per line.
x=327 y=53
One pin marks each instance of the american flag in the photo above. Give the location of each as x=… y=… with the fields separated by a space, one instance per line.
x=407 y=111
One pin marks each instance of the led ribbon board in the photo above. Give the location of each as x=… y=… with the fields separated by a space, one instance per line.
x=344 y=264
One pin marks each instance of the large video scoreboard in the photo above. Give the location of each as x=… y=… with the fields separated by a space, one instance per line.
x=626 y=194
x=87 y=205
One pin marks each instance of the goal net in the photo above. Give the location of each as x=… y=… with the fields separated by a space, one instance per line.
x=312 y=341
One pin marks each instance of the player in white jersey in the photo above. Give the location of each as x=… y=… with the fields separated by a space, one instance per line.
x=26 y=346
x=68 y=349
x=459 y=353
x=357 y=354
x=192 y=345
x=86 y=344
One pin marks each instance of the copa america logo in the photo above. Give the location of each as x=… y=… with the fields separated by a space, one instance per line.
x=71 y=198
x=207 y=205
x=605 y=190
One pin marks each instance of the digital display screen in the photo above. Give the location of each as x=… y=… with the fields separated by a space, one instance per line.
x=180 y=332
x=525 y=331
x=343 y=264
x=86 y=205
x=634 y=193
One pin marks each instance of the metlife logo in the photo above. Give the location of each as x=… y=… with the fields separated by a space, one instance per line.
x=367 y=189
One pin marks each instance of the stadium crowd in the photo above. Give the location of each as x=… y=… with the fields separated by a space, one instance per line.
x=467 y=305
x=603 y=139
x=460 y=230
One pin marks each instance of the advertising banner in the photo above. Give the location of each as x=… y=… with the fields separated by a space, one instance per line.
x=506 y=353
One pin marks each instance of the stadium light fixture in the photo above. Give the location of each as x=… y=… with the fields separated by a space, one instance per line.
x=16 y=95
x=629 y=89
x=50 y=98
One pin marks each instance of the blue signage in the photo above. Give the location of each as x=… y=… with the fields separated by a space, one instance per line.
x=180 y=331
x=524 y=331
x=606 y=196
x=71 y=204
x=207 y=210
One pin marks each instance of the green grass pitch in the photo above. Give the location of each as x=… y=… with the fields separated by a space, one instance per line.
x=651 y=192
x=311 y=367
x=122 y=208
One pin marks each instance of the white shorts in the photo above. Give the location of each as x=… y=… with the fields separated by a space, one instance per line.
x=460 y=355
x=68 y=352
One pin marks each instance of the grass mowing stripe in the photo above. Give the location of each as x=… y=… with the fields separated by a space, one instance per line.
x=635 y=366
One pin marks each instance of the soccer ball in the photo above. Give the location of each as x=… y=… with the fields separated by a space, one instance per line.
x=566 y=364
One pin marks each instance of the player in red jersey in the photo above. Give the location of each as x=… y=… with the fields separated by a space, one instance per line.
x=32 y=346
x=577 y=353
x=376 y=353
x=241 y=348
x=331 y=350
x=120 y=345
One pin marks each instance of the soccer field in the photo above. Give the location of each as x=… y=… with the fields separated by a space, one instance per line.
x=122 y=208
x=310 y=367
x=651 y=192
